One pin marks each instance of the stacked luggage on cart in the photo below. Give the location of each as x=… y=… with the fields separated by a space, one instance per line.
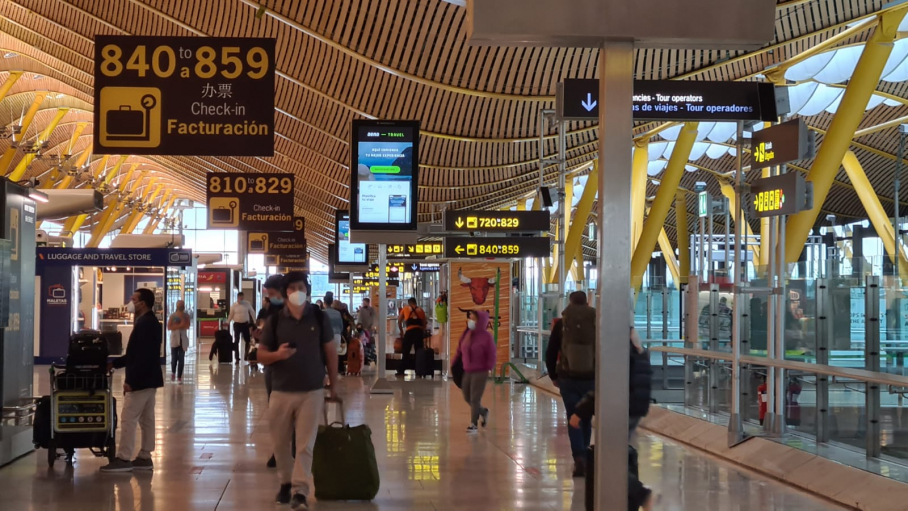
x=80 y=412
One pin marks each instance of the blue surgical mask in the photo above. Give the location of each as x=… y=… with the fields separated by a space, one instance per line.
x=277 y=302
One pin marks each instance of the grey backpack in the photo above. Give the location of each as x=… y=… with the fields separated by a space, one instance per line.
x=578 y=342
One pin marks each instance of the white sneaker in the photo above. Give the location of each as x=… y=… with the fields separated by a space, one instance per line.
x=472 y=428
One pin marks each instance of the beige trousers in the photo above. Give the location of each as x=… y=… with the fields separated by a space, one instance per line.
x=138 y=410
x=300 y=412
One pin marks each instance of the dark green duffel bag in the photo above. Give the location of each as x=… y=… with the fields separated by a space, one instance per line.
x=343 y=461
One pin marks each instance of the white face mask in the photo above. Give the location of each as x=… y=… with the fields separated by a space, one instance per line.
x=131 y=307
x=297 y=298
x=471 y=324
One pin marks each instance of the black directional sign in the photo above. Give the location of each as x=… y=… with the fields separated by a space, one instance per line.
x=497 y=247
x=674 y=100
x=782 y=143
x=497 y=221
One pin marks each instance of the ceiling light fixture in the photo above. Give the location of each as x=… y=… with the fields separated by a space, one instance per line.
x=10 y=55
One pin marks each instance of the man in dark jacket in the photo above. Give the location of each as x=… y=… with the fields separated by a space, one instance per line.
x=272 y=291
x=640 y=384
x=143 y=378
x=572 y=378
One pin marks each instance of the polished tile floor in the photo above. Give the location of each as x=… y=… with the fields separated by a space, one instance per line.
x=213 y=442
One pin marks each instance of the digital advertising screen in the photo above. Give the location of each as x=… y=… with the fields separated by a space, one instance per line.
x=348 y=254
x=384 y=175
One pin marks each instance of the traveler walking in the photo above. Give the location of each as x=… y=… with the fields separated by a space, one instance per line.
x=337 y=326
x=414 y=318
x=178 y=325
x=476 y=351
x=366 y=316
x=298 y=345
x=263 y=312
x=571 y=361
x=243 y=316
x=143 y=377
x=639 y=388
x=272 y=290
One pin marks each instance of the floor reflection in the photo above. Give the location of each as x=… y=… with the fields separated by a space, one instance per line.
x=213 y=442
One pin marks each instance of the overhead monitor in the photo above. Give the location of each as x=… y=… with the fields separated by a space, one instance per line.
x=348 y=254
x=384 y=180
x=334 y=276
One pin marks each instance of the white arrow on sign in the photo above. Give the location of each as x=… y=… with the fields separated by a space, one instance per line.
x=589 y=104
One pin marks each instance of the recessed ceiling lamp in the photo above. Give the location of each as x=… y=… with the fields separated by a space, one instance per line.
x=37 y=77
x=10 y=55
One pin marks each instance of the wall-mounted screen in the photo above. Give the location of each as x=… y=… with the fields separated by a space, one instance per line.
x=348 y=253
x=384 y=175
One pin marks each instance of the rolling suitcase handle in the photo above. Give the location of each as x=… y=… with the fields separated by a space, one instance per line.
x=340 y=408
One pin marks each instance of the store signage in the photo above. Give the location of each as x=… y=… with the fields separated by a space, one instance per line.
x=785 y=194
x=703 y=204
x=781 y=144
x=212 y=277
x=498 y=247
x=250 y=201
x=276 y=243
x=415 y=251
x=190 y=96
x=347 y=253
x=56 y=295
x=675 y=100
x=384 y=175
x=58 y=256
x=497 y=221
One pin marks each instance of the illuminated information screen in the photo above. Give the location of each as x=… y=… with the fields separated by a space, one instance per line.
x=415 y=251
x=384 y=175
x=785 y=194
x=497 y=221
x=497 y=247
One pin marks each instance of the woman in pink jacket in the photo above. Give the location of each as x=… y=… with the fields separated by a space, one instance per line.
x=476 y=351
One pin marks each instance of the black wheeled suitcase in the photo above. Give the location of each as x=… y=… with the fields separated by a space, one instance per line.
x=425 y=362
x=114 y=342
x=223 y=344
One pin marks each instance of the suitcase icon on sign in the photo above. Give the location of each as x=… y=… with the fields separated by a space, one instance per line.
x=124 y=123
x=258 y=244
x=222 y=212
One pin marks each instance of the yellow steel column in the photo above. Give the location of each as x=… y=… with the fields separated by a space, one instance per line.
x=573 y=242
x=67 y=180
x=113 y=208
x=9 y=82
x=49 y=183
x=638 y=190
x=8 y=155
x=875 y=211
x=729 y=192
x=522 y=204
x=683 y=236
x=26 y=160
x=668 y=185
x=137 y=215
x=568 y=200
x=110 y=174
x=669 y=254
x=73 y=224
x=153 y=224
x=838 y=138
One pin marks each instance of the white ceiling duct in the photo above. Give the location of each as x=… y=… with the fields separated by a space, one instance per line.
x=64 y=203
x=208 y=258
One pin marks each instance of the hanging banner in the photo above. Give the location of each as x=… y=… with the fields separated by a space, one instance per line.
x=251 y=201
x=190 y=96
x=473 y=288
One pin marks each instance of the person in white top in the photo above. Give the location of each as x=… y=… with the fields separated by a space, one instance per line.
x=243 y=316
x=178 y=324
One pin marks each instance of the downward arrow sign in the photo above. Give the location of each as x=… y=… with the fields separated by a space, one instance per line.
x=589 y=104
x=459 y=222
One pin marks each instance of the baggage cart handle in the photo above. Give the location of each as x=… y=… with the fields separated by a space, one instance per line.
x=340 y=408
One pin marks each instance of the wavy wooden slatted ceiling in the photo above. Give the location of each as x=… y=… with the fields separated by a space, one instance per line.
x=339 y=60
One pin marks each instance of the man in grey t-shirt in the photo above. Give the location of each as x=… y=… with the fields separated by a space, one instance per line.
x=298 y=349
x=366 y=316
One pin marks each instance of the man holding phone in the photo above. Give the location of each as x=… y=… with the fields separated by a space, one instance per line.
x=298 y=345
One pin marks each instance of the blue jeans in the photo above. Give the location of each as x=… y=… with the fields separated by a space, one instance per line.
x=177 y=358
x=572 y=391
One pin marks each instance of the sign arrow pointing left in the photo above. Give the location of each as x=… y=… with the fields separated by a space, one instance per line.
x=458 y=249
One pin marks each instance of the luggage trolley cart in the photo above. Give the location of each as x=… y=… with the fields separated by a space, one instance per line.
x=81 y=412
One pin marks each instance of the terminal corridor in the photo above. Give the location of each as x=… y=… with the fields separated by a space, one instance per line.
x=212 y=444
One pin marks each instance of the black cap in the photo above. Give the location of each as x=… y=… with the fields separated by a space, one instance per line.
x=273 y=282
